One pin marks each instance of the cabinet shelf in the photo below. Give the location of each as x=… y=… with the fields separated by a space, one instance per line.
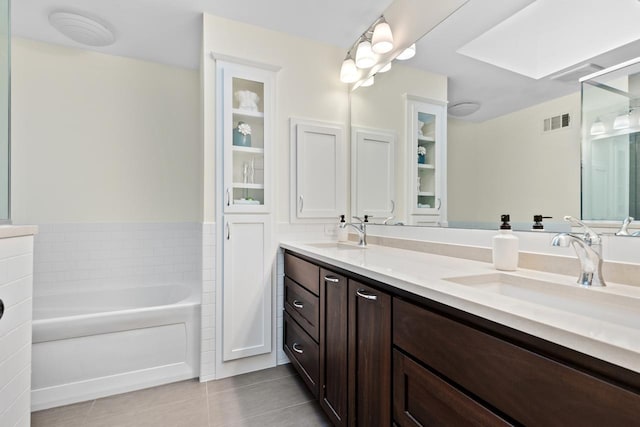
x=426 y=194
x=252 y=150
x=248 y=186
x=426 y=166
x=426 y=139
x=237 y=112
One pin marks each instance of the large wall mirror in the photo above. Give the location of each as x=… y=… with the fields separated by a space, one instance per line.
x=5 y=46
x=519 y=153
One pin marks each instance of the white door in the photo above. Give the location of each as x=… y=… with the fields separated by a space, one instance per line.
x=320 y=185
x=246 y=287
x=373 y=177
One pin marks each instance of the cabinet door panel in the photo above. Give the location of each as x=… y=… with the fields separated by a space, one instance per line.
x=420 y=398
x=369 y=356
x=246 y=288
x=333 y=346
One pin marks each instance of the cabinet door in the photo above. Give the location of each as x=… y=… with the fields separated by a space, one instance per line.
x=427 y=134
x=421 y=398
x=373 y=180
x=333 y=346
x=246 y=289
x=369 y=356
x=318 y=165
x=246 y=105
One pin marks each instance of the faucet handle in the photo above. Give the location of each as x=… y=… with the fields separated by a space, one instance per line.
x=591 y=236
x=624 y=229
x=366 y=218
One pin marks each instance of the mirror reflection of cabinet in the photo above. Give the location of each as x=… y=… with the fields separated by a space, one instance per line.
x=426 y=159
x=372 y=166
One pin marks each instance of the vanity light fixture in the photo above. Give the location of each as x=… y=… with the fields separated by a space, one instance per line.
x=348 y=71
x=382 y=39
x=364 y=55
x=597 y=128
x=408 y=53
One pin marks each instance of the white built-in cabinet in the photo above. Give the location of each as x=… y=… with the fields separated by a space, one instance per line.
x=318 y=171
x=245 y=118
x=373 y=180
x=427 y=135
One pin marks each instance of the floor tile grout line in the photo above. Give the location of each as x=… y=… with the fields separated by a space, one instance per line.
x=268 y=412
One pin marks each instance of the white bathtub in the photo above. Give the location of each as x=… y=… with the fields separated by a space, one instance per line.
x=94 y=343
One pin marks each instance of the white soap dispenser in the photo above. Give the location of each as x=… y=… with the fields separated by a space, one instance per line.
x=505 y=247
x=342 y=231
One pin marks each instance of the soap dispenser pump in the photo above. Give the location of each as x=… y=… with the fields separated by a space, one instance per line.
x=537 y=222
x=505 y=247
x=342 y=231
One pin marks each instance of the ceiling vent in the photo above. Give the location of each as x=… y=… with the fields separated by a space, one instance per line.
x=82 y=29
x=561 y=121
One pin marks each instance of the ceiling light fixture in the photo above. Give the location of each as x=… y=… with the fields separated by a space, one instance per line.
x=621 y=121
x=368 y=82
x=385 y=68
x=82 y=29
x=461 y=109
x=382 y=39
x=408 y=53
x=597 y=128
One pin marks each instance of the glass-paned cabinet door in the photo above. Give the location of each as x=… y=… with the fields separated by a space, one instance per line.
x=247 y=137
x=427 y=133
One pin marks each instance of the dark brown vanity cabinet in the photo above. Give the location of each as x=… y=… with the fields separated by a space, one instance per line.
x=369 y=356
x=333 y=346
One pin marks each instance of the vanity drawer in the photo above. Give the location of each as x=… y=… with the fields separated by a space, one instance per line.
x=303 y=272
x=303 y=306
x=528 y=387
x=420 y=398
x=303 y=352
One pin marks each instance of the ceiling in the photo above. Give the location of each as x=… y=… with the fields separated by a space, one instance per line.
x=169 y=32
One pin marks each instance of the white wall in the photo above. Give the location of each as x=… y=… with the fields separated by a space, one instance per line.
x=382 y=106
x=508 y=165
x=101 y=138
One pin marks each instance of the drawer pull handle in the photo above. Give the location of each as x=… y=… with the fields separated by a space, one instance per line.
x=297 y=304
x=331 y=279
x=297 y=348
x=362 y=293
x=1 y=308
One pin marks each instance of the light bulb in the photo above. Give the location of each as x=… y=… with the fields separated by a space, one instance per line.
x=385 y=68
x=368 y=82
x=348 y=71
x=364 y=55
x=407 y=53
x=597 y=128
x=382 y=39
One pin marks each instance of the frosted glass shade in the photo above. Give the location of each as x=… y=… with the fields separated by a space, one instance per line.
x=348 y=71
x=621 y=122
x=364 y=55
x=385 y=68
x=407 y=53
x=382 y=40
x=368 y=82
x=597 y=128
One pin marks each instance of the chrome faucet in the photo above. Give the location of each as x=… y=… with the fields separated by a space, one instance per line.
x=624 y=229
x=588 y=247
x=361 y=228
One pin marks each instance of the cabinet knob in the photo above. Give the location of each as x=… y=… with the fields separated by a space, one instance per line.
x=364 y=294
x=331 y=279
x=297 y=348
x=297 y=304
x=1 y=308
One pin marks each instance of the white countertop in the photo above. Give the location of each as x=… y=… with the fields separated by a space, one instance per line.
x=7 y=231
x=423 y=274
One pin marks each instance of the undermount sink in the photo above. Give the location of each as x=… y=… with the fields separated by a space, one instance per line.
x=336 y=245
x=612 y=308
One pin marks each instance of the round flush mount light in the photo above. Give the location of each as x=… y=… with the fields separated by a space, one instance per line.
x=462 y=109
x=82 y=29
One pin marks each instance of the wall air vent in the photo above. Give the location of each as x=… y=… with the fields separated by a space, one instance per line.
x=561 y=121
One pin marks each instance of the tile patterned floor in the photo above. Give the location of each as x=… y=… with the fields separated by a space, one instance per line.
x=273 y=397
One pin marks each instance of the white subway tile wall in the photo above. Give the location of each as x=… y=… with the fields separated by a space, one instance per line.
x=208 y=336
x=68 y=256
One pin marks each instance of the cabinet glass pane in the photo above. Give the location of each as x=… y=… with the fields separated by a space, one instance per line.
x=426 y=160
